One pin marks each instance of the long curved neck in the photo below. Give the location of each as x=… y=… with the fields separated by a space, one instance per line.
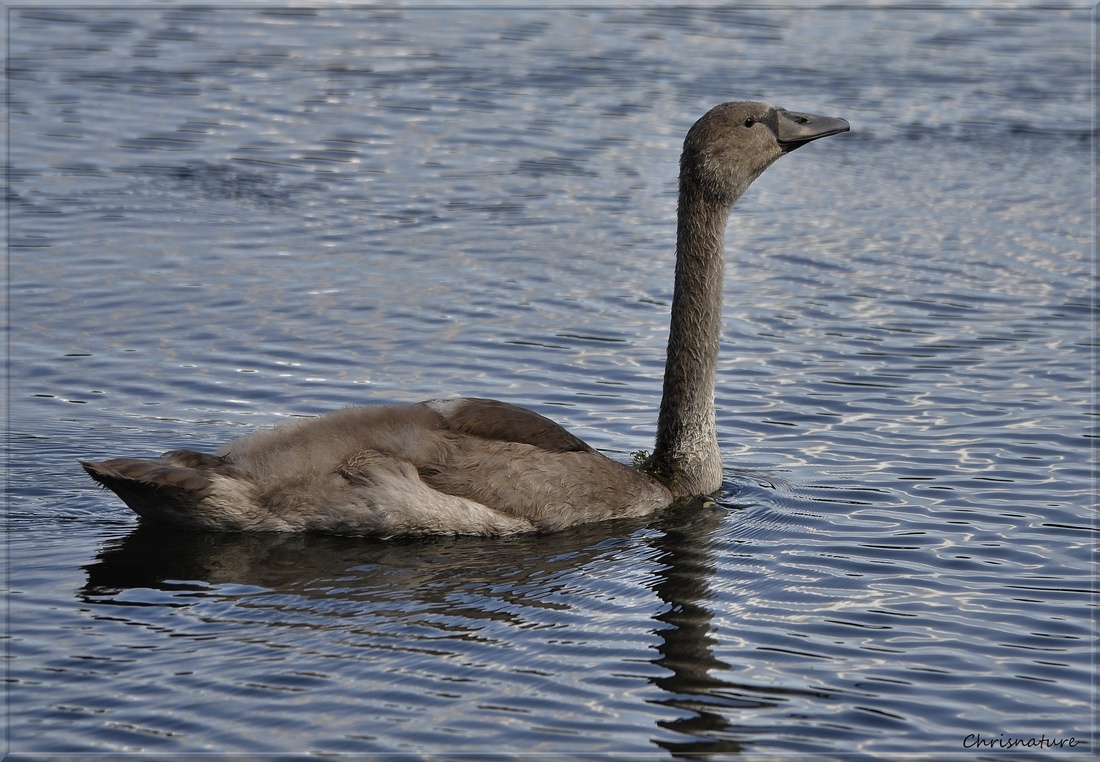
x=686 y=455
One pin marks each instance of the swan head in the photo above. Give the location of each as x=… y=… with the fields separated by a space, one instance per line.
x=734 y=142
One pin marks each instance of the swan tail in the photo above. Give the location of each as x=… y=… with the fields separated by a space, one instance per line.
x=160 y=490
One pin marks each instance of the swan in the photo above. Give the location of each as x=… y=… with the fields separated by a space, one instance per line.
x=483 y=467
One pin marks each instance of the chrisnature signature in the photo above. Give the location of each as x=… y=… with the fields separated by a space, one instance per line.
x=977 y=741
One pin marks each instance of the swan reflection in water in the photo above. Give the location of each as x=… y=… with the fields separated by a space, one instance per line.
x=291 y=591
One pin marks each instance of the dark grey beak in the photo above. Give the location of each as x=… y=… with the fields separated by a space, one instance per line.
x=794 y=129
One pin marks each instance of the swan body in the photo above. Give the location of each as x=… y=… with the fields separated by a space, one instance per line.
x=457 y=466
x=482 y=467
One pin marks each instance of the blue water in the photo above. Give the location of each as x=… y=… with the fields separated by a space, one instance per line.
x=220 y=219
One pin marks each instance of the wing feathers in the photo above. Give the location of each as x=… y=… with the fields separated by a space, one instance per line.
x=501 y=421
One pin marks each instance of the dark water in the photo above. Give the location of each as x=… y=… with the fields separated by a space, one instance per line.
x=222 y=218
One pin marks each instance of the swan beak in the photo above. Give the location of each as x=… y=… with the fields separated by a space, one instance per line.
x=794 y=129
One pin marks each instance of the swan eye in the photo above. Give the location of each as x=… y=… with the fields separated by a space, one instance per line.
x=750 y=122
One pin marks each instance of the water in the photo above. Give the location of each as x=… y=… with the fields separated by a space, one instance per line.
x=224 y=218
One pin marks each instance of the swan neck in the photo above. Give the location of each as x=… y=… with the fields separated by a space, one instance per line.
x=686 y=454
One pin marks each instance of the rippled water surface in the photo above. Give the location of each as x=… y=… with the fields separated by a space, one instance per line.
x=223 y=218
